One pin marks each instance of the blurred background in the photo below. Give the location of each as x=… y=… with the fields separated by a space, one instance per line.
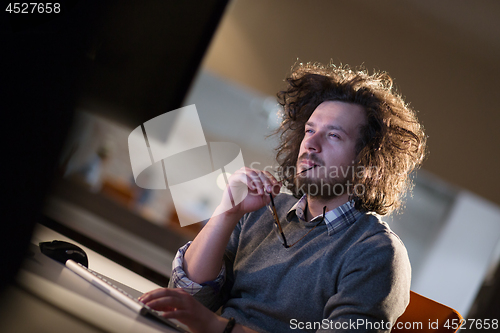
x=443 y=56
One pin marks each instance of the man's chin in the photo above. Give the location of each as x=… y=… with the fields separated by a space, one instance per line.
x=320 y=188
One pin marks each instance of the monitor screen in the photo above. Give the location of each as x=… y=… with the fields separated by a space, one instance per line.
x=79 y=83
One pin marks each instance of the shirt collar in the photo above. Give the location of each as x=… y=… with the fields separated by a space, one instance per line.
x=335 y=219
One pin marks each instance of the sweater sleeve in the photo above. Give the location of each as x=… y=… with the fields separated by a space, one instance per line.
x=179 y=278
x=212 y=294
x=373 y=289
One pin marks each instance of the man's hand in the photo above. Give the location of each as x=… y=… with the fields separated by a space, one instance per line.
x=203 y=258
x=259 y=185
x=178 y=304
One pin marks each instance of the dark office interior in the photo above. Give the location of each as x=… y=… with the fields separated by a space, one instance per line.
x=130 y=61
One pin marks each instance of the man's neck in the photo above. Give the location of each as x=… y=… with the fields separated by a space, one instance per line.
x=315 y=205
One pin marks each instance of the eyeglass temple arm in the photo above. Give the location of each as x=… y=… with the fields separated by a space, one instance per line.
x=295 y=175
x=276 y=219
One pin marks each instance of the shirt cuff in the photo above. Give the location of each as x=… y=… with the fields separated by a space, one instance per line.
x=180 y=279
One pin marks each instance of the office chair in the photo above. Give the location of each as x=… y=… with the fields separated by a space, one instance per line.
x=433 y=316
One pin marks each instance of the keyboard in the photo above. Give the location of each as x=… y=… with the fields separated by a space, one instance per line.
x=120 y=295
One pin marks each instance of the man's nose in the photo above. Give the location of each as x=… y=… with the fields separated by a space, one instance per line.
x=313 y=143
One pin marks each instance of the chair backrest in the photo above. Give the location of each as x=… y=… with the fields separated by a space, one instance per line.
x=425 y=315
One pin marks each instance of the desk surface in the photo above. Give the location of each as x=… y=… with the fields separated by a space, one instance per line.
x=74 y=304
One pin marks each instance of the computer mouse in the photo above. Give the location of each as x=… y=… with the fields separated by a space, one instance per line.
x=63 y=251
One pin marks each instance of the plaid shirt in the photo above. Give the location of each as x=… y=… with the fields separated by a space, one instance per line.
x=334 y=220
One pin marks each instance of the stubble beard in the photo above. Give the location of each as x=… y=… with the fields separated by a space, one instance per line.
x=318 y=185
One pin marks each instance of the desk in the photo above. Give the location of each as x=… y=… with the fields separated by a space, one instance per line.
x=51 y=298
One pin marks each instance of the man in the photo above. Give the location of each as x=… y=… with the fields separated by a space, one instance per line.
x=348 y=144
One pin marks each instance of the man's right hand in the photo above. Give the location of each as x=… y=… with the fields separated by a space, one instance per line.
x=203 y=258
x=256 y=184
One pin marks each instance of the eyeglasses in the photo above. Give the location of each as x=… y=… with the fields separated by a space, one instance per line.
x=279 y=230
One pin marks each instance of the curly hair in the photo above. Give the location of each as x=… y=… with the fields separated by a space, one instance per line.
x=390 y=146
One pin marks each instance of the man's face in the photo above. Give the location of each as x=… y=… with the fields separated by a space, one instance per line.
x=328 y=148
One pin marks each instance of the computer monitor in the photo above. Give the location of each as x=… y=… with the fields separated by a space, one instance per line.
x=125 y=61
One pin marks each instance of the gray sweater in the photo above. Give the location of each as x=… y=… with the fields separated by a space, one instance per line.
x=355 y=279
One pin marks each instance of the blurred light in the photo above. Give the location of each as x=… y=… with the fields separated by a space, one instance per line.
x=274 y=112
x=221 y=182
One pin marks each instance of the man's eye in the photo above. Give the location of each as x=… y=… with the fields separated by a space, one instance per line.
x=333 y=135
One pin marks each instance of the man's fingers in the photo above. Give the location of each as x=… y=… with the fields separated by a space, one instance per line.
x=176 y=314
x=262 y=181
x=167 y=299
x=151 y=295
x=250 y=178
x=266 y=183
x=276 y=187
x=254 y=181
x=167 y=303
x=160 y=292
x=258 y=182
x=272 y=183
